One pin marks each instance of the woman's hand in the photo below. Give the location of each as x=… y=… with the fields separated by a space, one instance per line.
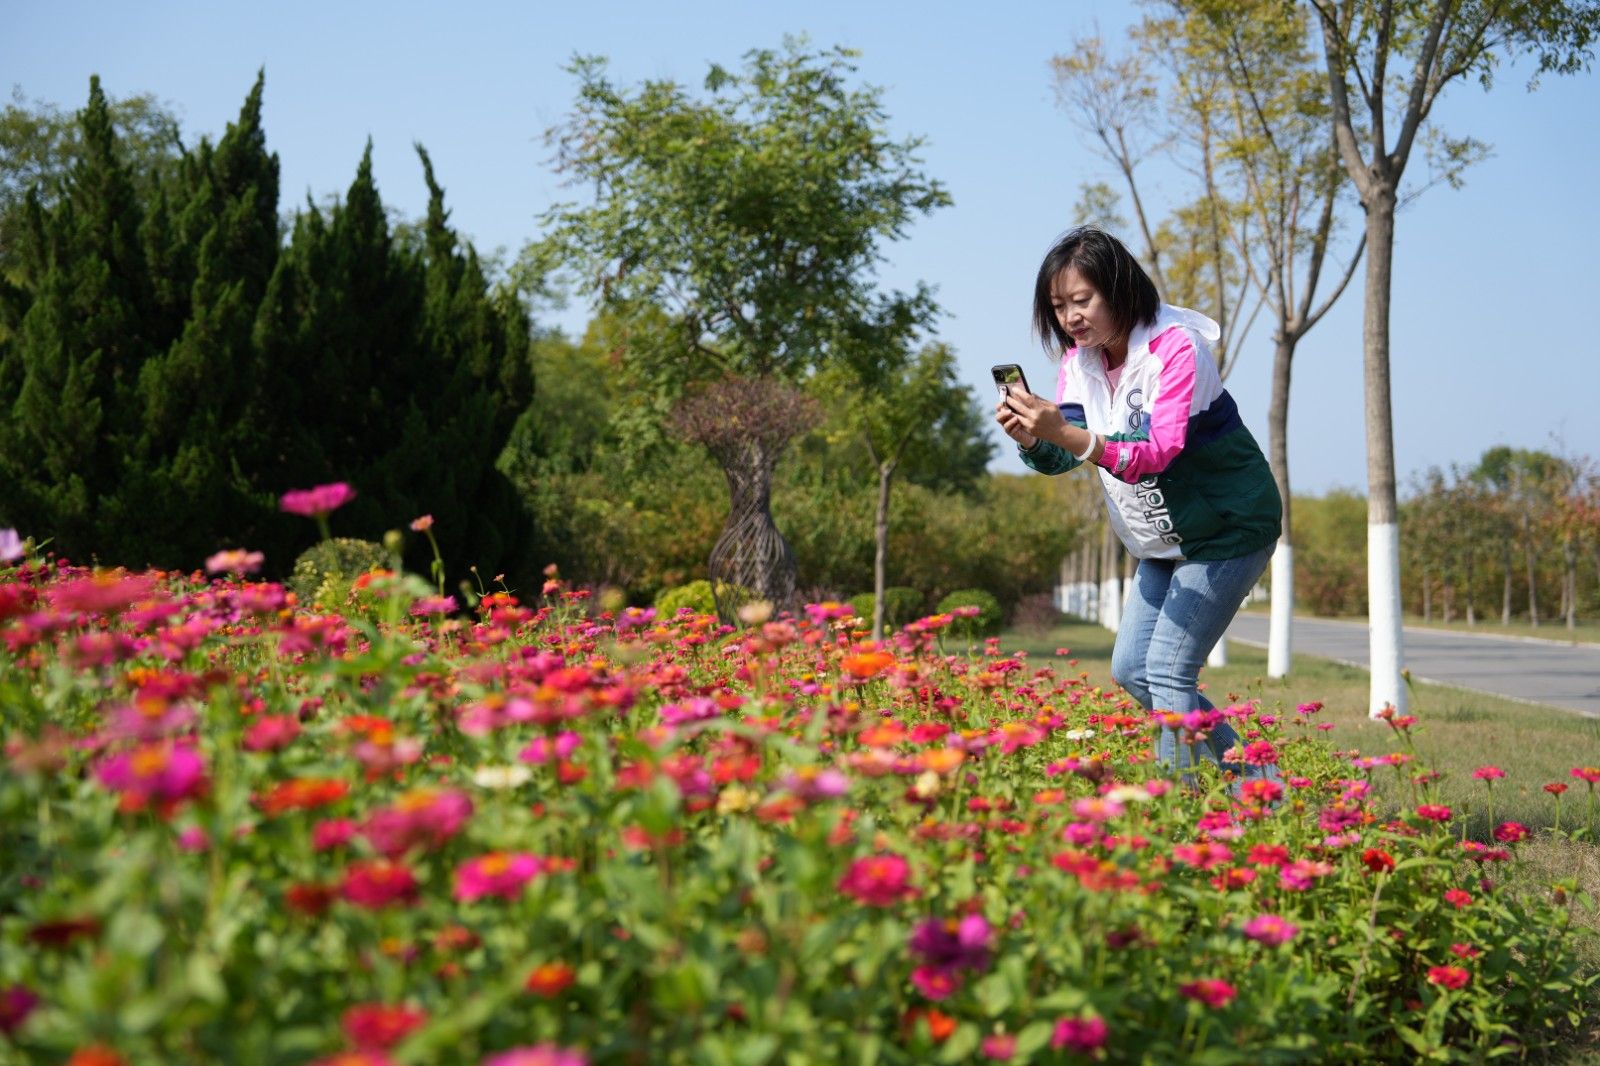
x=1027 y=418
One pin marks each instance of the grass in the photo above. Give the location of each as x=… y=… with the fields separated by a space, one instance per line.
x=1583 y=633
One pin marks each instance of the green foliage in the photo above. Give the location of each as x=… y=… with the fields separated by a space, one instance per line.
x=324 y=572
x=696 y=596
x=751 y=214
x=1330 y=558
x=901 y=604
x=985 y=623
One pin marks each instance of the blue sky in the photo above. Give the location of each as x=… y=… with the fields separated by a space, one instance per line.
x=1489 y=280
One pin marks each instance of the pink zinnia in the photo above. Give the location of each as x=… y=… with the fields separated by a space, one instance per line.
x=160 y=772
x=11 y=546
x=318 y=502
x=1458 y=898
x=1591 y=774
x=1299 y=875
x=537 y=1055
x=879 y=880
x=332 y=833
x=423 y=817
x=1271 y=930
x=1434 y=812
x=1488 y=773
x=1260 y=753
x=1449 y=976
x=1211 y=991
x=498 y=873
x=1082 y=1036
x=235 y=561
x=546 y=749
x=271 y=733
x=107 y=594
x=378 y=883
x=1000 y=1046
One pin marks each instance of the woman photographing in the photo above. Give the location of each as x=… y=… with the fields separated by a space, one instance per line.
x=1187 y=489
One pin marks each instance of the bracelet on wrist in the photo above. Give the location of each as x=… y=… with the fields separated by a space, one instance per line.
x=1094 y=440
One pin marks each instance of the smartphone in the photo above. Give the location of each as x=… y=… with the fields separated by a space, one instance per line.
x=1008 y=376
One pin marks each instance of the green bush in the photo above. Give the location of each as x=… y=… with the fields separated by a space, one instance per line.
x=696 y=596
x=324 y=572
x=987 y=621
x=901 y=604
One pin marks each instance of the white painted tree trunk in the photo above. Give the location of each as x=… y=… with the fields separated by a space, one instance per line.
x=1111 y=603
x=1383 y=618
x=1219 y=652
x=1280 y=637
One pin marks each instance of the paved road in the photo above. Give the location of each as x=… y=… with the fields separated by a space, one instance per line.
x=1561 y=675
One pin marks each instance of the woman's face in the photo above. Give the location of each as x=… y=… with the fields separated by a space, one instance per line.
x=1081 y=310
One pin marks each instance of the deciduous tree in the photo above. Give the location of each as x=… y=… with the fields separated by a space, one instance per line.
x=1387 y=63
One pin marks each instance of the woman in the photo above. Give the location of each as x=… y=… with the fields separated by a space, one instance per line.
x=1187 y=488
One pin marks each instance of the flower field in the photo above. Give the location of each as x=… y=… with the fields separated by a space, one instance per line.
x=240 y=830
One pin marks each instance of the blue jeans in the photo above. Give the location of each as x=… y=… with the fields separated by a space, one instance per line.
x=1178 y=611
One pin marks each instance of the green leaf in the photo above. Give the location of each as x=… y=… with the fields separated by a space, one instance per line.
x=962 y=1043
x=205 y=978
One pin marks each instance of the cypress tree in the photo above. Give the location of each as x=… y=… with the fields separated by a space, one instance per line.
x=335 y=341
x=187 y=489
x=75 y=358
x=473 y=381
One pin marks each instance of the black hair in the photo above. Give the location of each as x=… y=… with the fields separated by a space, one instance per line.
x=1104 y=263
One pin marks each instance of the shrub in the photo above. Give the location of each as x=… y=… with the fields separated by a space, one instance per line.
x=901 y=604
x=696 y=596
x=985 y=623
x=324 y=572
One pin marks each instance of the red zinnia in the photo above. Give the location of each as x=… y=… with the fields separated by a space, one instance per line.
x=1211 y=991
x=1449 y=976
x=1377 y=860
x=550 y=979
x=375 y=1025
x=378 y=883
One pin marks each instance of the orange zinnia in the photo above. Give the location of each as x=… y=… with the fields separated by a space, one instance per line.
x=867 y=664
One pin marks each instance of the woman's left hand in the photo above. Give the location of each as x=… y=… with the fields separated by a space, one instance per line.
x=1035 y=415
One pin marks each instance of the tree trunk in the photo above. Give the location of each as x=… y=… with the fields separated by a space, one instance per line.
x=1569 y=553
x=1472 y=610
x=1533 y=577
x=1280 y=638
x=1505 y=589
x=751 y=559
x=881 y=555
x=1387 y=651
x=1110 y=585
x=1427 y=595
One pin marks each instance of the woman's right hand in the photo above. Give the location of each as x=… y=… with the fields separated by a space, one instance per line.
x=1013 y=428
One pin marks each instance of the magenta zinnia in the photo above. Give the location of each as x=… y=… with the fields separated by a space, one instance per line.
x=317 y=502
x=1271 y=930
x=879 y=880
x=498 y=873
